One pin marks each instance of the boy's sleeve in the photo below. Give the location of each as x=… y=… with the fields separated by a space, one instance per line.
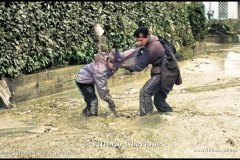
x=100 y=78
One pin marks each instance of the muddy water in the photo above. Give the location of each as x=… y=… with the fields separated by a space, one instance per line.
x=232 y=64
x=205 y=121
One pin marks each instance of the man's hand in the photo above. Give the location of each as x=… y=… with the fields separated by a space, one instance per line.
x=128 y=72
x=123 y=66
x=111 y=105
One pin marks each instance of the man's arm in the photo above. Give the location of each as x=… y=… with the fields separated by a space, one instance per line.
x=143 y=59
x=127 y=54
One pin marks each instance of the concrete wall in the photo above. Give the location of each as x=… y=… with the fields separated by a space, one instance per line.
x=222 y=39
x=32 y=86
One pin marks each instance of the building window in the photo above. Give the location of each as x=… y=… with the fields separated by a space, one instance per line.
x=223 y=9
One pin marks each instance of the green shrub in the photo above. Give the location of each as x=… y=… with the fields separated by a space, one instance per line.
x=197 y=20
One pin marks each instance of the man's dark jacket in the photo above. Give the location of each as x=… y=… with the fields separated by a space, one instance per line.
x=163 y=62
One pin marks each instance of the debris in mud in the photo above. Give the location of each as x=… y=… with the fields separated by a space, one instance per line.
x=198 y=65
x=181 y=91
x=127 y=116
x=190 y=69
x=26 y=112
x=231 y=142
x=132 y=91
x=43 y=129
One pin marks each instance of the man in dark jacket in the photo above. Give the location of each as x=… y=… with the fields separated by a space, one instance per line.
x=153 y=52
x=96 y=74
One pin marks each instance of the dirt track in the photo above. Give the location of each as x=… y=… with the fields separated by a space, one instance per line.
x=205 y=122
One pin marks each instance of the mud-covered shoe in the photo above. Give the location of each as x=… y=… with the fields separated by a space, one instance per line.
x=86 y=113
x=167 y=109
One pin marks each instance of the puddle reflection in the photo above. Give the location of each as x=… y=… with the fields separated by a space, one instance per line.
x=232 y=64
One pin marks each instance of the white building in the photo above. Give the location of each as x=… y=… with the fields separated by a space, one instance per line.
x=223 y=9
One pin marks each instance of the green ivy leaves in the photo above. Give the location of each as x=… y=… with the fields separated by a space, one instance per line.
x=39 y=35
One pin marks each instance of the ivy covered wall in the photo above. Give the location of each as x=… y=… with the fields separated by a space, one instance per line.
x=40 y=35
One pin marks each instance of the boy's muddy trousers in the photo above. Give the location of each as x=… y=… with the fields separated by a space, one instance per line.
x=88 y=93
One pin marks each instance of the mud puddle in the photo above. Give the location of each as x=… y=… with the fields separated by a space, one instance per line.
x=11 y=127
x=232 y=64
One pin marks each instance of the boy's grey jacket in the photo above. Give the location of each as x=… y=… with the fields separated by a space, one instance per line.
x=98 y=71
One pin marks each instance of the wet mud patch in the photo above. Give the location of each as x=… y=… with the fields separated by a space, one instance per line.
x=212 y=87
x=205 y=115
x=149 y=121
x=12 y=128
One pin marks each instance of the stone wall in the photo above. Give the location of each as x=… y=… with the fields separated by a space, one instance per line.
x=222 y=38
x=32 y=86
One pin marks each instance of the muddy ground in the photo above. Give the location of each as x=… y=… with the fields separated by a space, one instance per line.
x=204 y=124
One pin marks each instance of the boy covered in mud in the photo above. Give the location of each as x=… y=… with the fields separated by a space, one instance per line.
x=96 y=74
